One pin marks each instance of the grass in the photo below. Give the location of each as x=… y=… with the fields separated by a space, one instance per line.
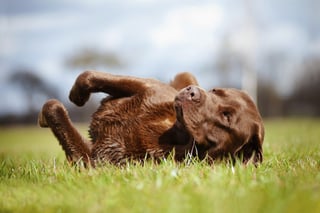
x=34 y=177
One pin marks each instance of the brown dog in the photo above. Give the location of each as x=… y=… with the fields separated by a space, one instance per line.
x=146 y=118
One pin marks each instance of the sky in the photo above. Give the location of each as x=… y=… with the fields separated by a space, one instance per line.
x=155 y=39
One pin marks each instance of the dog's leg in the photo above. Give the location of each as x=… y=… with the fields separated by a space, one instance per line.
x=115 y=85
x=183 y=80
x=55 y=116
x=118 y=86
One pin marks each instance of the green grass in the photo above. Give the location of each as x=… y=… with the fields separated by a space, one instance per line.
x=34 y=177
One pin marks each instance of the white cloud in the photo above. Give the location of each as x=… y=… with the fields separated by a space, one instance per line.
x=187 y=24
x=245 y=41
x=111 y=38
x=39 y=21
x=288 y=38
x=16 y=30
x=7 y=44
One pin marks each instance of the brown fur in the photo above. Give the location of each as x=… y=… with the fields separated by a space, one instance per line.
x=147 y=118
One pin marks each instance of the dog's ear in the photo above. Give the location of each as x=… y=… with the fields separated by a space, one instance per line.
x=252 y=150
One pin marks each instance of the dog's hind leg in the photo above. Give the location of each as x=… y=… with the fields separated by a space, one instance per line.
x=55 y=116
x=183 y=80
x=119 y=86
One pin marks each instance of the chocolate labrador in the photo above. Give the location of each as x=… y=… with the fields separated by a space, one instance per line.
x=144 y=118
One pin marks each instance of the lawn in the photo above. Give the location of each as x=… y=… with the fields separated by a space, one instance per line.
x=34 y=177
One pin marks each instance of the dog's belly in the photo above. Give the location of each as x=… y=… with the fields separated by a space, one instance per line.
x=129 y=128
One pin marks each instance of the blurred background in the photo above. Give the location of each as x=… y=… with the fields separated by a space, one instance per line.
x=269 y=48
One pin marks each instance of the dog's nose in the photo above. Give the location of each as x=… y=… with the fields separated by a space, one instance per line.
x=192 y=93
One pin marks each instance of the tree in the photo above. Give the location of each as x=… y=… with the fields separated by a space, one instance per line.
x=89 y=57
x=305 y=99
x=33 y=88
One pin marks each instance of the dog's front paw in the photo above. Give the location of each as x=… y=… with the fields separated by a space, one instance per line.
x=78 y=97
x=42 y=121
x=80 y=92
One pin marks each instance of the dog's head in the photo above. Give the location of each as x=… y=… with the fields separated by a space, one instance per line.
x=222 y=122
